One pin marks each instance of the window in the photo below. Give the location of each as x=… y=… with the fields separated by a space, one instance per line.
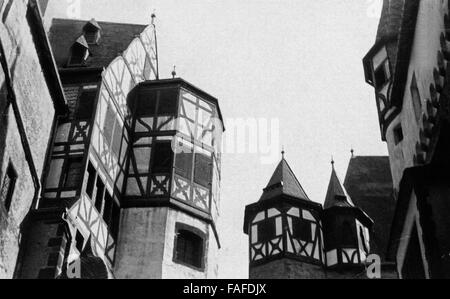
x=85 y=106
x=79 y=241
x=415 y=96
x=302 y=230
x=398 y=135
x=108 y=208
x=203 y=170
x=189 y=248
x=266 y=230
x=183 y=162
x=147 y=103
x=92 y=174
x=73 y=173
x=108 y=126
x=348 y=236
x=163 y=156
x=382 y=75
x=114 y=224
x=100 y=194
x=168 y=100
x=78 y=56
x=7 y=188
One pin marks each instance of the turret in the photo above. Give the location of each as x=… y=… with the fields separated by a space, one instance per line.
x=284 y=230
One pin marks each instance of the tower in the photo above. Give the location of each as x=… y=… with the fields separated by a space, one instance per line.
x=346 y=231
x=171 y=198
x=408 y=67
x=132 y=180
x=292 y=237
x=284 y=230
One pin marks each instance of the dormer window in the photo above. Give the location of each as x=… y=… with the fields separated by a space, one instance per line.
x=79 y=52
x=381 y=73
x=92 y=32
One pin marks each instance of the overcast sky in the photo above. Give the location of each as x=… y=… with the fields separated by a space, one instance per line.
x=296 y=61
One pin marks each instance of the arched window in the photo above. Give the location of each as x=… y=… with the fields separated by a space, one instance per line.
x=189 y=247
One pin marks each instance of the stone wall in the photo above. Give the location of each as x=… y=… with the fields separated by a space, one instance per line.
x=36 y=111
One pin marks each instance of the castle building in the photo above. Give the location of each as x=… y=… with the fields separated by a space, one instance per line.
x=31 y=96
x=408 y=68
x=127 y=171
x=292 y=237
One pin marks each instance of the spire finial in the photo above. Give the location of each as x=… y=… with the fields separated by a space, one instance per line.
x=332 y=161
x=283 y=152
x=174 y=72
x=353 y=152
x=153 y=17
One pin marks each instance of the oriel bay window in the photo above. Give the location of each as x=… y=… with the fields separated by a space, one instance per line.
x=151 y=160
x=193 y=179
x=176 y=153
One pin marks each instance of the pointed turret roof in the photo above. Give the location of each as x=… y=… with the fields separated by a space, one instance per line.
x=337 y=196
x=284 y=182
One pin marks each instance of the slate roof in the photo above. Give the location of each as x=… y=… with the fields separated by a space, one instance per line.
x=369 y=183
x=284 y=182
x=115 y=38
x=391 y=19
x=337 y=196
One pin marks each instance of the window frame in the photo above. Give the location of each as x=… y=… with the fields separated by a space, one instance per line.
x=12 y=175
x=77 y=47
x=198 y=233
x=385 y=66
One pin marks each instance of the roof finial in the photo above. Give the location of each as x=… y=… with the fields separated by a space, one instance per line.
x=353 y=152
x=283 y=152
x=153 y=17
x=174 y=72
x=332 y=161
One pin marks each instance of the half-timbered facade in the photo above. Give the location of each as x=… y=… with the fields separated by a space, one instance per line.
x=292 y=237
x=133 y=164
x=408 y=67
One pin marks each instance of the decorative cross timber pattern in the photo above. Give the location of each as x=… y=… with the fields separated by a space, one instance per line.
x=181 y=189
x=350 y=256
x=275 y=246
x=201 y=198
x=159 y=185
x=165 y=123
x=80 y=132
x=304 y=248
x=258 y=252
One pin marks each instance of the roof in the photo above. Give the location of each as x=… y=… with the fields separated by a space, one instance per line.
x=396 y=32
x=284 y=182
x=337 y=195
x=390 y=20
x=115 y=38
x=369 y=183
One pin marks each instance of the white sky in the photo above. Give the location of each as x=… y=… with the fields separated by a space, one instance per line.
x=299 y=61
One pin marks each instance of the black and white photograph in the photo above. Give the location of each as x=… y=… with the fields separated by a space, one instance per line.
x=224 y=144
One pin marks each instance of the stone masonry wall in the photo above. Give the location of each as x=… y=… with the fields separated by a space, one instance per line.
x=37 y=113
